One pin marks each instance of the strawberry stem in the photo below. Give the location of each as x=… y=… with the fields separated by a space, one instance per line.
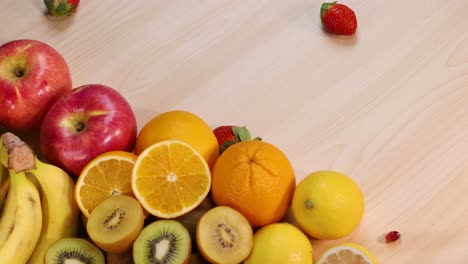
x=325 y=7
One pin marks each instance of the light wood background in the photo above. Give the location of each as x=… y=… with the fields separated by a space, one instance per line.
x=388 y=106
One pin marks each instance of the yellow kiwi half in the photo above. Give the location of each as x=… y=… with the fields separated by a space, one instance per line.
x=115 y=223
x=224 y=235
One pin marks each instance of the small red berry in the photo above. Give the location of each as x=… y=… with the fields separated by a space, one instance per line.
x=61 y=7
x=392 y=236
x=338 y=18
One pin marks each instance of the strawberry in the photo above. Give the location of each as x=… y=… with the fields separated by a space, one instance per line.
x=230 y=135
x=61 y=7
x=338 y=18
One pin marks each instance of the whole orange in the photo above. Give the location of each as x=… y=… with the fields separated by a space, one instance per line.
x=255 y=178
x=180 y=125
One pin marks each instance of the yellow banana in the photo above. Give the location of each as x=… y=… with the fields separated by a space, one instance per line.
x=24 y=233
x=4 y=185
x=60 y=214
x=9 y=211
x=4 y=181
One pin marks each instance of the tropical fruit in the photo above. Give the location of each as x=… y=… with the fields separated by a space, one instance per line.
x=183 y=126
x=349 y=253
x=280 y=243
x=115 y=223
x=163 y=241
x=73 y=250
x=255 y=178
x=224 y=236
x=108 y=174
x=327 y=205
x=170 y=178
x=190 y=219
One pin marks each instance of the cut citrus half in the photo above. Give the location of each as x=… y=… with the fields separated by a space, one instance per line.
x=170 y=178
x=349 y=253
x=108 y=174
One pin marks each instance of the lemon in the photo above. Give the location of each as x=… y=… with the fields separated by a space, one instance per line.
x=349 y=253
x=180 y=125
x=328 y=205
x=280 y=243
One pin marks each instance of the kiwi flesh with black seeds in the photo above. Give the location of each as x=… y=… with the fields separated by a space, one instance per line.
x=73 y=250
x=224 y=235
x=115 y=223
x=163 y=242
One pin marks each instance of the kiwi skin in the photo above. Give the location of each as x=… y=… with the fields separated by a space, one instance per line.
x=190 y=219
x=120 y=258
x=197 y=258
x=74 y=247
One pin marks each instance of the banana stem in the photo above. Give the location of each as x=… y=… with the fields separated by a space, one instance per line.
x=15 y=154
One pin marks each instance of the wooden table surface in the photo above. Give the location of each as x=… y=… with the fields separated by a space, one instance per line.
x=388 y=106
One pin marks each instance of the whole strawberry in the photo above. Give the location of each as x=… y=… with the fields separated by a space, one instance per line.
x=338 y=18
x=61 y=7
x=230 y=135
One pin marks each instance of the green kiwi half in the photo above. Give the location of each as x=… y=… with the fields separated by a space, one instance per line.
x=163 y=242
x=73 y=250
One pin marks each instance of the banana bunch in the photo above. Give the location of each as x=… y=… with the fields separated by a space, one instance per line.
x=37 y=202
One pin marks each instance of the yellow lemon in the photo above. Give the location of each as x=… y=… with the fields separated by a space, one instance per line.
x=349 y=253
x=183 y=126
x=280 y=243
x=328 y=205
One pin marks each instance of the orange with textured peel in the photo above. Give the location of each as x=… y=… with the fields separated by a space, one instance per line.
x=255 y=178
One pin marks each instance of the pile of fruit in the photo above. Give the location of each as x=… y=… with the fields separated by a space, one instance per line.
x=177 y=191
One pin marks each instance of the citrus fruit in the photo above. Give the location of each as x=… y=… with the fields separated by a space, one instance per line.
x=280 y=243
x=170 y=178
x=255 y=178
x=327 y=205
x=183 y=126
x=349 y=253
x=108 y=174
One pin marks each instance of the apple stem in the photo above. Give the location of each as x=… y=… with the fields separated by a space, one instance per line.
x=79 y=126
x=19 y=72
x=308 y=204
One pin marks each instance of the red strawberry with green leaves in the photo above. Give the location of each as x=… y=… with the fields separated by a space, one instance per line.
x=338 y=18
x=230 y=135
x=61 y=7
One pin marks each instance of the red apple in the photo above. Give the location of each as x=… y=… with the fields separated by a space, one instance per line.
x=91 y=120
x=33 y=75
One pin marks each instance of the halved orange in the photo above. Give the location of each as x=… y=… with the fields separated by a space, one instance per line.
x=170 y=178
x=108 y=174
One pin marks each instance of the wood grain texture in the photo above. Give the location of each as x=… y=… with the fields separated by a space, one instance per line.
x=387 y=107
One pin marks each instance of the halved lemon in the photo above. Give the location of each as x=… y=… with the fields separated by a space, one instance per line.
x=108 y=174
x=170 y=178
x=349 y=253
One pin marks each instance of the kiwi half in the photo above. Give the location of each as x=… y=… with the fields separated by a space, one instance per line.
x=163 y=242
x=73 y=250
x=224 y=236
x=115 y=223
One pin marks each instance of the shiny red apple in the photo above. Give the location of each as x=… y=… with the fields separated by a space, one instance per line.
x=33 y=75
x=91 y=120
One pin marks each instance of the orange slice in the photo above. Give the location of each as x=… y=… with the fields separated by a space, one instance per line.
x=108 y=174
x=170 y=178
x=350 y=253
